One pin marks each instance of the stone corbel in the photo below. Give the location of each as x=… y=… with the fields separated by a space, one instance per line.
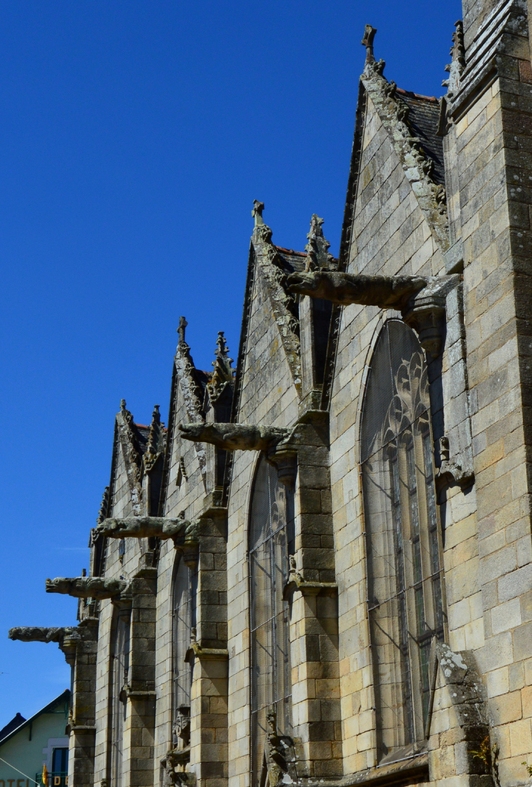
x=421 y=300
x=296 y=583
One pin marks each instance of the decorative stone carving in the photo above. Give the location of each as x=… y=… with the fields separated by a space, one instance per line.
x=281 y=754
x=451 y=472
x=235 y=437
x=128 y=437
x=258 y=207
x=41 y=634
x=458 y=63
x=345 y=288
x=283 y=303
x=317 y=247
x=156 y=441
x=222 y=377
x=420 y=300
x=186 y=379
x=87 y=587
x=367 y=41
x=142 y=527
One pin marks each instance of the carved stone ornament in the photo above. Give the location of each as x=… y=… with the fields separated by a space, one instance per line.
x=42 y=634
x=156 y=441
x=458 y=63
x=420 y=300
x=87 y=587
x=452 y=473
x=234 y=437
x=345 y=288
x=317 y=247
x=142 y=527
x=222 y=376
x=281 y=756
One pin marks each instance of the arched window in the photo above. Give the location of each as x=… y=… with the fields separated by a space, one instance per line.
x=182 y=622
x=270 y=543
x=118 y=702
x=403 y=537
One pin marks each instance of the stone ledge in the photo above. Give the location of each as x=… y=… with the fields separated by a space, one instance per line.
x=410 y=770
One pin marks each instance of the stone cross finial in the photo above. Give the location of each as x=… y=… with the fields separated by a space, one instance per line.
x=221 y=346
x=258 y=207
x=367 y=41
x=181 y=329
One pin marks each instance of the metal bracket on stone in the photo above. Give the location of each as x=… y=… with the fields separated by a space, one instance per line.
x=421 y=300
x=88 y=587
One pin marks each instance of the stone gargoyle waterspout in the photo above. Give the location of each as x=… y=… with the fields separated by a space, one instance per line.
x=421 y=300
x=388 y=292
x=87 y=587
x=42 y=634
x=144 y=527
x=235 y=437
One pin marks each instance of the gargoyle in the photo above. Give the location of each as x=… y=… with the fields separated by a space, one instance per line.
x=142 y=527
x=86 y=587
x=40 y=634
x=234 y=437
x=345 y=288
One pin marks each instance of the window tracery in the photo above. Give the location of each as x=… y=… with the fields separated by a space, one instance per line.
x=403 y=537
x=270 y=542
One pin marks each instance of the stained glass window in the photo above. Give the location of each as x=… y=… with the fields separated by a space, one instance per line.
x=118 y=703
x=270 y=541
x=403 y=537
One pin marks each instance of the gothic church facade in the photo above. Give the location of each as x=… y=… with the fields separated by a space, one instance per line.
x=320 y=571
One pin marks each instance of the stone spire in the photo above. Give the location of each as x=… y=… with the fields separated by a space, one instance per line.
x=155 y=442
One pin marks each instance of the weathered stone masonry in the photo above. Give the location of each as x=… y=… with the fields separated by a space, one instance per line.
x=381 y=631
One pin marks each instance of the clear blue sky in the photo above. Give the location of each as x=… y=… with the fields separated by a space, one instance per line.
x=134 y=136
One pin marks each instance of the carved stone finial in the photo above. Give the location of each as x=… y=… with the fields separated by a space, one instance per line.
x=258 y=207
x=155 y=440
x=122 y=405
x=367 y=41
x=317 y=246
x=458 y=63
x=223 y=372
x=181 y=329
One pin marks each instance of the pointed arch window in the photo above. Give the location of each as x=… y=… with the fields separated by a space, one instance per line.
x=403 y=537
x=182 y=624
x=270 y=543
x=118 y=701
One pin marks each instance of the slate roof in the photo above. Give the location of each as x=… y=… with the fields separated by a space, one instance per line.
x=423 y=118
x=293 y=260
x=15 y=722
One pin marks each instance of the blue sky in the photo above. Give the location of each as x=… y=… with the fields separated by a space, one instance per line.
x=134 y=137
